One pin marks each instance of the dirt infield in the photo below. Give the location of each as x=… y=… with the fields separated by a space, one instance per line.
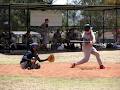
x=59 y=69
x=9 y=65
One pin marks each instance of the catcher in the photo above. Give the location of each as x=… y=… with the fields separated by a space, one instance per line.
x=30 y=57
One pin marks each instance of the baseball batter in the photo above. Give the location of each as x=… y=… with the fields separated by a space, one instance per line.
x=88 y=48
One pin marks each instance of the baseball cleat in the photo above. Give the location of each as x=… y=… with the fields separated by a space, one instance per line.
x=73 y=65
x=102 y=67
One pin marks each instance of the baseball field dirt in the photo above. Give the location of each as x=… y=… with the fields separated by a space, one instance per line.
x=61 y=66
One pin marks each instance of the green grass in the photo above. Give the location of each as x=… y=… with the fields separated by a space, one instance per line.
x=35 y=83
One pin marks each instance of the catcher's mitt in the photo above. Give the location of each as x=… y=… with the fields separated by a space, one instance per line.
x=51 y=58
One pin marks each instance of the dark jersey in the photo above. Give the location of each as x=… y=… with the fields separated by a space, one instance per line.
x=28 y=56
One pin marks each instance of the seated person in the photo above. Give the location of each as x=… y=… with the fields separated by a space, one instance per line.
x=56 y=39
x=13 y=41
x=117 y=45
x=27 y=38
x=70 y=35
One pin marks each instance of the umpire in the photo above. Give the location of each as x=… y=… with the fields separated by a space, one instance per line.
x=30 y=57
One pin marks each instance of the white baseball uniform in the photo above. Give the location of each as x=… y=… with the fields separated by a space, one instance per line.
x=88 y=48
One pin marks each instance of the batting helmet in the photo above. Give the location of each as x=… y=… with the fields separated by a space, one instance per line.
x=87 y=27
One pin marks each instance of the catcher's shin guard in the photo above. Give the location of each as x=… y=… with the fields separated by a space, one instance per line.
x=35 y=66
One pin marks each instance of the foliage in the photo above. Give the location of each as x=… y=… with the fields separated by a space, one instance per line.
x=112 y=2
x=18 y=17
x=83 y=17
x=75 y=17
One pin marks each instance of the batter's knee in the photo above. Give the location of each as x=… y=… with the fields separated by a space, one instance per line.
x=85 y=60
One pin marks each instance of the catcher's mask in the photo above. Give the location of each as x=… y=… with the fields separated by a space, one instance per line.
x=33 y=58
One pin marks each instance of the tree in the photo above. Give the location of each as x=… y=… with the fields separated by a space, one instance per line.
x=112 y=2
x=18 y=17
x=76 y=2
x=92 y=17
x=91 y=2
x=85 y=16
x=115 y=31
x=49 y=1
x=4 y=1
x=71 y=17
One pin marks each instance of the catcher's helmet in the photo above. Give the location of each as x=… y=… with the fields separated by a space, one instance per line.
x=33 y=45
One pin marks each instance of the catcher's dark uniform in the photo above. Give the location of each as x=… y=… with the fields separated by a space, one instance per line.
x=26 y=60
